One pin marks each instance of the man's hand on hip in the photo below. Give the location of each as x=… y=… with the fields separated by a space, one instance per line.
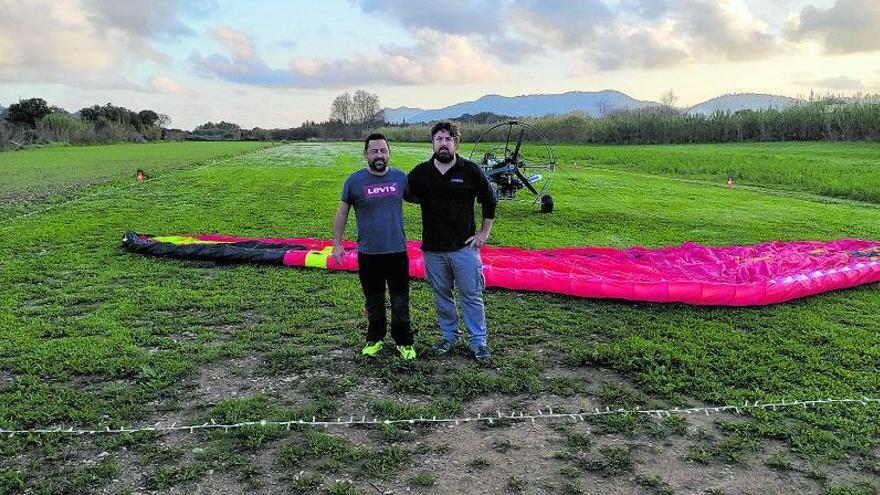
x=478 y=239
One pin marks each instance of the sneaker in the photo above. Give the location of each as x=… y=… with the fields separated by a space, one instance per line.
x=443 y=347
x=482 y=354
x=371 y=348
x=407 y=352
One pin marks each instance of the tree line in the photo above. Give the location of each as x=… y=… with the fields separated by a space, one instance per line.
x=812 y=121
x=353 y=116
x=34 y=121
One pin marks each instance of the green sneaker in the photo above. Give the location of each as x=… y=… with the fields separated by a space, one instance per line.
x=407 y=352
x=372 y=348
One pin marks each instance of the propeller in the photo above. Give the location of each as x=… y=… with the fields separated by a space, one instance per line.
x=515 y=157
x=524 y=180
x=510 y=170
x=514 y=160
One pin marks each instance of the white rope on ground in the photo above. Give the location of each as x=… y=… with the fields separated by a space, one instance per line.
x=499 y=416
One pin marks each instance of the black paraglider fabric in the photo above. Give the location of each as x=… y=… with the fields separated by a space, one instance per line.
x=247 y=252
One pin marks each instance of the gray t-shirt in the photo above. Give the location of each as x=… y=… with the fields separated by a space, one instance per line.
x=378 y=207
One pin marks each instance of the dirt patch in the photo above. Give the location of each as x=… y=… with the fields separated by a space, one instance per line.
x=480 y=458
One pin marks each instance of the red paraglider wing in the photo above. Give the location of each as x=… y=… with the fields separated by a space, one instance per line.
x=760 y=274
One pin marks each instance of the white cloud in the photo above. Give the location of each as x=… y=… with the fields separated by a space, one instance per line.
x=239 y=44
x=648 y=34
x=461 y=17
x=638 y=47
x=153 y=19
x=724 y=29
x=485 y=24
x=841 y=83
x=434 y=58
x=559 y=23
x=848 y=26
x=242 y=66
x=163 y=83
x=70 y=42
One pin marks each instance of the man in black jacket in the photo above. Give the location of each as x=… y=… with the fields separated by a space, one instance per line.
x=445 y=187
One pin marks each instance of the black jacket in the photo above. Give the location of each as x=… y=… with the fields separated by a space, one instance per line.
x=447 y=202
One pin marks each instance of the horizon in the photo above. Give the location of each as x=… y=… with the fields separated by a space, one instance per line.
x=828 y=94
x=275 y=65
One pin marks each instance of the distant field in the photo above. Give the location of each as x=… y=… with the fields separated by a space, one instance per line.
x=94 y=336
x=36 y=176
x=836 y=170
x=840 y=170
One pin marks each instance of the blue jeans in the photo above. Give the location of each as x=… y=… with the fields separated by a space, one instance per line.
x=464 y=269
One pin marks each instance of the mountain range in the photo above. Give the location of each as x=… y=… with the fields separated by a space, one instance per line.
x=595 y=103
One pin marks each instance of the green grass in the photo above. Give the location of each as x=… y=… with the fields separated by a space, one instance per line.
x=839 y=170
x=93 y=336
x=656 y=483
x=422 y=479
x=54 y=174
x=610 y=461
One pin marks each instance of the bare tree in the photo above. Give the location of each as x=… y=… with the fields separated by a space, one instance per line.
x=603 y=107
x=341 y=108
x=365 y=106
x=361 y=108
x=668 y=99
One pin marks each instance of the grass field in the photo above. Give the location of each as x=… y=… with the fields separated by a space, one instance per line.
x=93 y=336
x=841 y=170
x=56 y=174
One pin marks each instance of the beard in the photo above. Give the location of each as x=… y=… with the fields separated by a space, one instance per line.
x=444 y=156
x=378 y=165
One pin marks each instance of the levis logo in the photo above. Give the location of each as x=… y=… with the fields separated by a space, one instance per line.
x=380 y=190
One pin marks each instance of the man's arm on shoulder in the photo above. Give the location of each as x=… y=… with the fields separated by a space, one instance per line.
x=409 y=195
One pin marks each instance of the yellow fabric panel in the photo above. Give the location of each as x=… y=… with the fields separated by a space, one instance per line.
x=318 y=259
x=181 y=240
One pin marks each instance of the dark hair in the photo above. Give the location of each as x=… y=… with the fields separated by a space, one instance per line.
x=445 y=125
x=373 y=137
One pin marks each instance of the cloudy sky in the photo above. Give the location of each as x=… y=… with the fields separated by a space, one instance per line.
x=277 y=63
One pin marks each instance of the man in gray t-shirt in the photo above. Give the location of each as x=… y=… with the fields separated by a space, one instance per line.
x=377 y=207
x=376 y=193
